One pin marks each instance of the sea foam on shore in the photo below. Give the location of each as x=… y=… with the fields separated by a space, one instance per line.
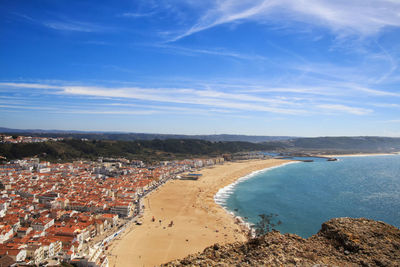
x=223 y=194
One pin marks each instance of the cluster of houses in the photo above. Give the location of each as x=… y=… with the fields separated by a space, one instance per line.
x=26 y=139
x=52 y=213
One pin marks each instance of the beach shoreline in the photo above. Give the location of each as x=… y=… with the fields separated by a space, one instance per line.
x=221 y=196
x=186 y=218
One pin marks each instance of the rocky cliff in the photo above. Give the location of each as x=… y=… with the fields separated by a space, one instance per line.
x=340 y=242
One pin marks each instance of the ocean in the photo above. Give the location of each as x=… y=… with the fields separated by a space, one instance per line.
x=306 y=194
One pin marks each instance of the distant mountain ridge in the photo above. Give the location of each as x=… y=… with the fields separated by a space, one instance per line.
x=316 y=145
x=346 y=143
x=126 y=136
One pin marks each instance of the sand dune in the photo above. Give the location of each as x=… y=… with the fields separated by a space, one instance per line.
x=197 y=221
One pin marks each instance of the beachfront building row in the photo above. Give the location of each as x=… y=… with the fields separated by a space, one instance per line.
x=60 y=212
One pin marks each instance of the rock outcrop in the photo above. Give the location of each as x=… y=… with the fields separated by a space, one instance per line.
x=340 y=242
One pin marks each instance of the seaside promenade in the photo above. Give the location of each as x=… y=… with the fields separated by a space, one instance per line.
x=186 y=218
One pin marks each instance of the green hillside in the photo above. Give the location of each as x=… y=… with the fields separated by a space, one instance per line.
x=148 y=150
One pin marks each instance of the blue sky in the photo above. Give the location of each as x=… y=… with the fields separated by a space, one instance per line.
x=258 y=67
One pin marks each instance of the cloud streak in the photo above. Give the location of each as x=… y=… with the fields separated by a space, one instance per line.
x=198 y=100
x=212 y=52
x=360 y=17
x=187 y=96
x=345 y=109
x=136 y=14
x=74 y=26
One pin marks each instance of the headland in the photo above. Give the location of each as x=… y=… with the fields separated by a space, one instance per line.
x=340 y=242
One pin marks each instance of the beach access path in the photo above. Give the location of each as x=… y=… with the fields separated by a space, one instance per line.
x=198 y=222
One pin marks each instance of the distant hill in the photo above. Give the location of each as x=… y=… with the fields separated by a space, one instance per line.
x=231 y=143
x=143 y=136
x=146 y=150
x=346 y=144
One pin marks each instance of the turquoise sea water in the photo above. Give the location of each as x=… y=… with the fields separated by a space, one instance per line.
x=304 y=195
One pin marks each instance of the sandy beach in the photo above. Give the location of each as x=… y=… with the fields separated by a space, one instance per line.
x=198 y=222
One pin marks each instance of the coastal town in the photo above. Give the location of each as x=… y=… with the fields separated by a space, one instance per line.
x=52 y=213
x=16 y=139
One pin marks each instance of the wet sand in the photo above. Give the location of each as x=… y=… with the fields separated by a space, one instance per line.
x=198 y=222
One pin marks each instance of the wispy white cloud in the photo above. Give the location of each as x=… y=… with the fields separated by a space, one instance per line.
x=75 y=110
x=213 y=52
x=345 y=109
x=225 y=12
x=136 y=14
x=26 y=107
x=393 y=63
x=209 y=98
x=298 y=90
x=386 y=105
x=197 y=100
x=110 y=112
x=187 y=96
x=24 y=16
x=175 y=109
x=372 y=78
x=109 y=108
x=64 y=24
x=361 y=17
x=28 y=85
x=74 y=26
x=375 y=92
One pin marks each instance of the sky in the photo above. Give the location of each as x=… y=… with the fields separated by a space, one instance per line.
x=255 y=67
